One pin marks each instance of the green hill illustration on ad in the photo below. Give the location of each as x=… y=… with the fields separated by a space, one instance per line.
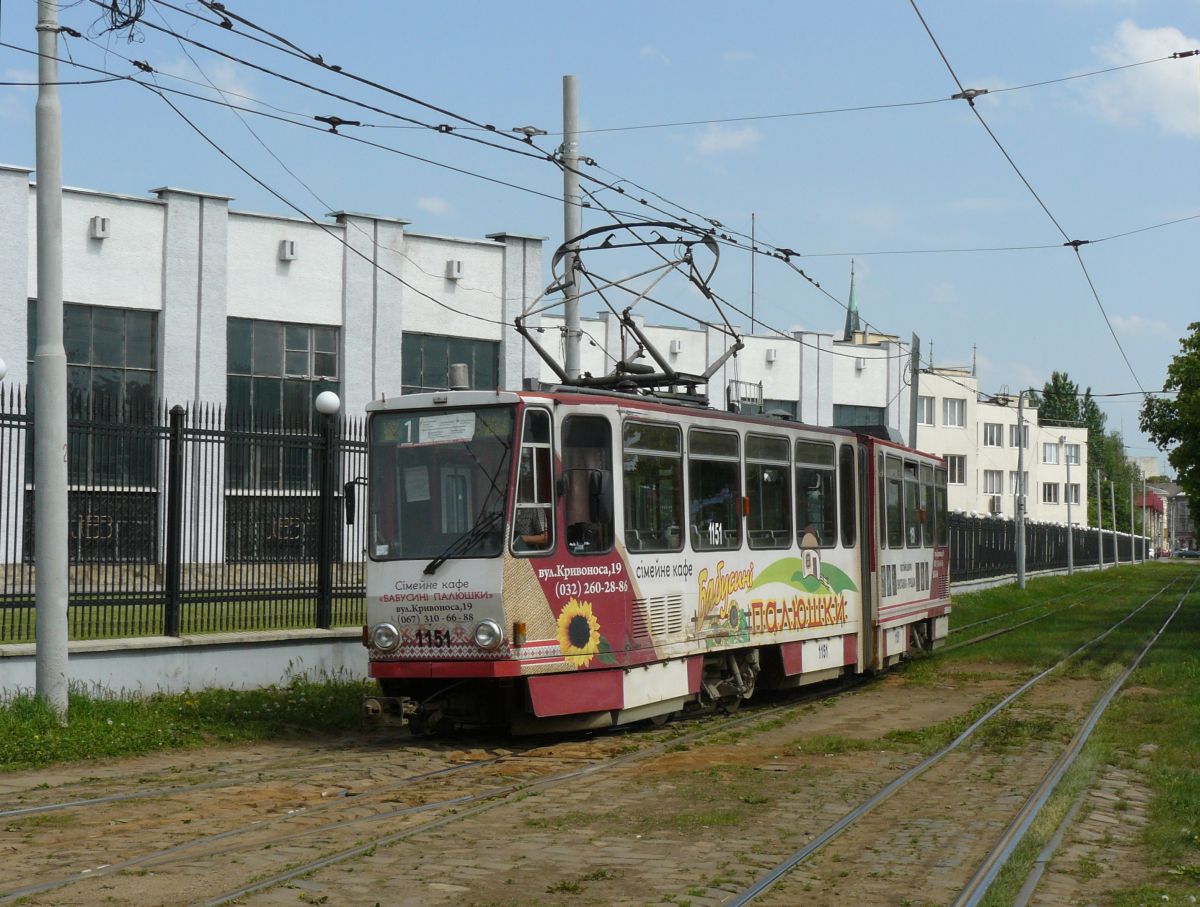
x=790 y=572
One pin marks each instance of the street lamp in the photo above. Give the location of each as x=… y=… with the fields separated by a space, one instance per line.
x=1062 y=440
x=3 y=369
x=327 y=404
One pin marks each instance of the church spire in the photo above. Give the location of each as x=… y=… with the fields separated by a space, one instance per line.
x=853 y=323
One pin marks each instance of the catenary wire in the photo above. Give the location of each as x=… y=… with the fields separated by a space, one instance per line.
x=1068 y=241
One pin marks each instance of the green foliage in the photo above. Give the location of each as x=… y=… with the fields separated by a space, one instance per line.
x=1177 y=422
x=30 y=735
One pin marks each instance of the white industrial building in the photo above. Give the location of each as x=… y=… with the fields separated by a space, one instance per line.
x=177 y=297
x=979 y=439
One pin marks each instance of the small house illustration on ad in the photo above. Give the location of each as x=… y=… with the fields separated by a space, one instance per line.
x=810 y=553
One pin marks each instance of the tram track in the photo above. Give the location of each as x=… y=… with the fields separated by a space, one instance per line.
x=447 y=809
x=218 y=844
x=1000 y=852
x=1038 y=604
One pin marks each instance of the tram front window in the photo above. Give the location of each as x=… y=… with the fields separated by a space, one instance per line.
x=439 y=480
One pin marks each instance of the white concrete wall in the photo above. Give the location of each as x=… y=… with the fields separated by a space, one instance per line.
x=239 y=661
x=16 y=242
x=478 y=292
x=307 y=290
x=123 y=270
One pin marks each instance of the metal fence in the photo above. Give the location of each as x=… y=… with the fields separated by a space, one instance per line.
x=189 y=521
x=983 y=547
x=193 y=521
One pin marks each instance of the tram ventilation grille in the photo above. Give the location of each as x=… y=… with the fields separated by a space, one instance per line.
x=661 y=615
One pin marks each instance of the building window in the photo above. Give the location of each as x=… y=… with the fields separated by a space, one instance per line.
x=816 y=492
x=653 y=478
x=1012 y=483
x=993 y=481
x=784 y=407
x=993 y=434
x=112 y=372
x=275 y=372
x=1024 y=435
x=425 y=361
x=714 y=490
x=1072 y=493
x=768 y=487
x=847 y=416
x=1049 y=492
x=924 y=410
x=956 y=469
x=954 y=412
x=1073 y=454
x=1050 y=453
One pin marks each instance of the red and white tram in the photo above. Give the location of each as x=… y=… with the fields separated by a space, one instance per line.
x=576 y=559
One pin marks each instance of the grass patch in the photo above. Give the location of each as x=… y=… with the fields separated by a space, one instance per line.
x=30 y=736
x=829 y=744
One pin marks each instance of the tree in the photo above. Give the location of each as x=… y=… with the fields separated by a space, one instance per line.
x=1176 y=423
x=1060 y=399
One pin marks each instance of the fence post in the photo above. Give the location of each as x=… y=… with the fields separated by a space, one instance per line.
x=174 y=546
x=325 y=528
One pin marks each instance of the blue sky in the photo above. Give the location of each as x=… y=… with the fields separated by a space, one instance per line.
x=1107 y=154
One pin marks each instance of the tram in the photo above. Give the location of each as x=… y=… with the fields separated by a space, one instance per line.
x=575 y=558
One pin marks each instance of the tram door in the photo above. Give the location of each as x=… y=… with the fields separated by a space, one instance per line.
x=868 y=554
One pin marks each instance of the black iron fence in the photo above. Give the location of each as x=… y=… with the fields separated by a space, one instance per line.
x=189 y=521
x=193 y=521
x=983 y=547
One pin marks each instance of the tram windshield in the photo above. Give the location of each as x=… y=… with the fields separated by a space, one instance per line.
x=439 y=481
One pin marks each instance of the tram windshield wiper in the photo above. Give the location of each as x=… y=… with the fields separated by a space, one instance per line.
x=464 y=543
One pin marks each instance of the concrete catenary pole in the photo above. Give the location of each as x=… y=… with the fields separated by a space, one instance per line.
x=50 y=380
x=914 y=391
x=1145 y=534
x=1070 y=528
x=572 y=222
x=1019 y=509
x=1099 y=521
x=1112 y=499
x=1132 y=546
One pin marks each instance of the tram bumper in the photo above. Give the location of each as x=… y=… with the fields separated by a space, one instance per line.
x=384 y=711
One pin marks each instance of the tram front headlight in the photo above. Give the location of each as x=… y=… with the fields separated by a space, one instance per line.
x=488 y=635
x=385 y=637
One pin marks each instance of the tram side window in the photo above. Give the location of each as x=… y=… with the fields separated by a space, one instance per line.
x=816 y=492
x=846 y=477
x=941 y=526
x=912 y=511
x=894 y=503
x=587 y=484
x=653 y=478
x=533 y=517
x=768 y=488
x=714 y=490
x=928 y=515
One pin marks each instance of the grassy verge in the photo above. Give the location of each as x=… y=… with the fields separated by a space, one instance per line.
x=1150 y=730
x=30 y=737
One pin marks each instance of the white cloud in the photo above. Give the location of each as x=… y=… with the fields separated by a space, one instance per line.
x=980 y=203
x=16 y=102
x=877 y=217
x=738 y=56
x=1163 y=94
x=718 y=140
x=1136 y=324
x=650 y=52
x=432 y=204
x=944 y=293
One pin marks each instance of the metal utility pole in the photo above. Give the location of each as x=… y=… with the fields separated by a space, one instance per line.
x=1099 y=521
x=1070 y=529
x=1132 y=544
x=1019 y=510
x=914 y=393
x=572 y=222
x=753 y=257
x=50 y=379
x=1112 y=498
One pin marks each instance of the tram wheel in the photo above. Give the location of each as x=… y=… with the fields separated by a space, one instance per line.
x=660 y=720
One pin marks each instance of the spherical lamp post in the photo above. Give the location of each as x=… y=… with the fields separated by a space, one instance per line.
x=327 y=404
